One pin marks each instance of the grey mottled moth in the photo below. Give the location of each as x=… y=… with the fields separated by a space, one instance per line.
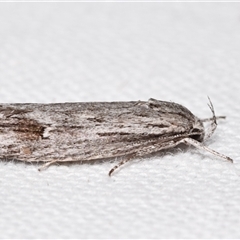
x=69 y=132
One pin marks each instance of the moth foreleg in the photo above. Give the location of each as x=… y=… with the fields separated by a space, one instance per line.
x=193 y=142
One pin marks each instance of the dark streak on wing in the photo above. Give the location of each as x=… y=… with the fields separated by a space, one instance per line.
x=29 y=129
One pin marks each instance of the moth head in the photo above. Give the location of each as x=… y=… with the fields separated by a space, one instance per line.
x=197 y=132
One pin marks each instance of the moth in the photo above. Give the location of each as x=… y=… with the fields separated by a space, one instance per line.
x=69 y=132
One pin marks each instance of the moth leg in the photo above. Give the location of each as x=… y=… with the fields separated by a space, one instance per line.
x=193 y=142
x=121 y=163
x=46 y=165
x=144 y=151
x=171 y=144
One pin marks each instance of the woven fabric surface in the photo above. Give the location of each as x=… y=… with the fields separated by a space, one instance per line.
x=181 y=52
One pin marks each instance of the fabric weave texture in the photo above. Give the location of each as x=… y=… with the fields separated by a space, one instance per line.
x=71 y=52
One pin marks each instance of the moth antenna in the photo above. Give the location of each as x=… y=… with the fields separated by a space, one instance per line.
x=213 y=120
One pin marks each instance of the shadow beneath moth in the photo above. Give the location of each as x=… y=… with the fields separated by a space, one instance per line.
x=70 y=132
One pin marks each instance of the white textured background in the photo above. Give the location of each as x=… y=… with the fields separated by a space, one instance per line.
x=182 y=52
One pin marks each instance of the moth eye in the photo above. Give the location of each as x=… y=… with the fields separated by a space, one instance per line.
x=198 y=136
x=195 y=130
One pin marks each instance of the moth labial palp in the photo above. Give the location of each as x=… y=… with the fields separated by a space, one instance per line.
x=70 y=132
